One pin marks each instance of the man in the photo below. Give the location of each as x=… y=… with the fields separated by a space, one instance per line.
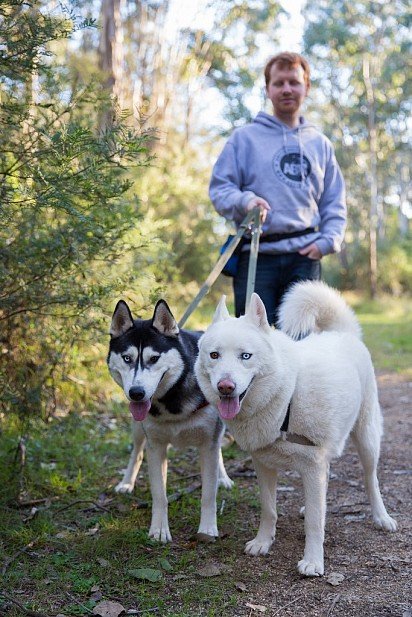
x=287 y=168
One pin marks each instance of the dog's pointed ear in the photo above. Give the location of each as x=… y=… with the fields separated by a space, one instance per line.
x=256 y=312
x=163 y=320
x=221 y=312
x=122 y=320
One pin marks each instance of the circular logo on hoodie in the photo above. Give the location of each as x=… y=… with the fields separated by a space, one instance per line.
x=291 y=166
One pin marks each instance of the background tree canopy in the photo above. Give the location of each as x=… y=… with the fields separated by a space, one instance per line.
x=109 y=132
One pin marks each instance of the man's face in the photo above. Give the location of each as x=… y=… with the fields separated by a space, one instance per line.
x=287 y=90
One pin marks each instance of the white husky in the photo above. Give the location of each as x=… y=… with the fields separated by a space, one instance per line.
x=324 y=384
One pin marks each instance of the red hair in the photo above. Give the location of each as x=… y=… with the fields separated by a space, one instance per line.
x=287 y=59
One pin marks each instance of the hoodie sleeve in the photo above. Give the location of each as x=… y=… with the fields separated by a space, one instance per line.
x=332 y=208
x=225 y=186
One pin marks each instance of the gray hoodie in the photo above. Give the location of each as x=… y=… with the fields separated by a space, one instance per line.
x=295 y=170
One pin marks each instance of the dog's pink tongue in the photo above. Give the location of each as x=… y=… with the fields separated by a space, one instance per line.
x=228 y=407
x=139 y=410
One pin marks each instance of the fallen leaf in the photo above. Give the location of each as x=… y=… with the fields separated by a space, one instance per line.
x=108 y=609
x=92 y=531
x=165 y=565
x=354 y=517
x=240 y=586
x=147 y=574
x=103 y=562
x=212 y=569
x=335 y=578
x=122 y=507
x=257 y=607
x=96 y=596
x=32 y=514
x=48 y=466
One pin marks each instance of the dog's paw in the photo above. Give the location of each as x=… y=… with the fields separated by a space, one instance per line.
x=208 y=530
x=258 y=546
x=161 y=533
x=124 y=487
x=225 y=482
x=204 y=538
x=385 y=522
x=311 y=568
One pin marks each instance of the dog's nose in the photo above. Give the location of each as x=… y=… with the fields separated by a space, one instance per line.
x=226 y=386
x=136 y=393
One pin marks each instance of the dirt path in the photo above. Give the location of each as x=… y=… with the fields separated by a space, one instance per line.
x=376 y=566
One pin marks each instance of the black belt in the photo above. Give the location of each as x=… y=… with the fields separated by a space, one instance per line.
x=278 y=237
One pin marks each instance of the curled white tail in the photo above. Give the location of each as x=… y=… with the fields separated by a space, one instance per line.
x=313 y=306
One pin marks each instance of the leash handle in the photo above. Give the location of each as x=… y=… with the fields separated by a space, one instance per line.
x=254 y=249
x=252 y=217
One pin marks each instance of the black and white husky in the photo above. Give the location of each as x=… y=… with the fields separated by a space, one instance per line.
x=153 y=360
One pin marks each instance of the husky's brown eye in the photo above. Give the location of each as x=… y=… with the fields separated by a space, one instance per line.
x=214 y=355
x=153 y=359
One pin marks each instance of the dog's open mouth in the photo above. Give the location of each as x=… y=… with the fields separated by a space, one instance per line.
x=229 y=406
x=140 y=410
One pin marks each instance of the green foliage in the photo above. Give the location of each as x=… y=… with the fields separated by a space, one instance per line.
x=233 y=50
x=66 y=207
x=395 y=271
x=339 y=37
x=387 y=331
x=174 y=193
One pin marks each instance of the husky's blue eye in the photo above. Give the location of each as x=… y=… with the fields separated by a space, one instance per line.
x=245 y=356
x=214 y=355
x=127 y=359
x=153 y=359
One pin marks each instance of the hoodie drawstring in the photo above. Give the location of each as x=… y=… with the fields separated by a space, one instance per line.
x=302 y=177
x=284 y=139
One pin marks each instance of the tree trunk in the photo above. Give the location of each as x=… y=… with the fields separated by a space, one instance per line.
x=111 y=57
x=373 y=209
x=404 y=184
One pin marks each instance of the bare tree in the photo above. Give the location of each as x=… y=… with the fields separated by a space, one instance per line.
x=373 y=211
x=111 y=56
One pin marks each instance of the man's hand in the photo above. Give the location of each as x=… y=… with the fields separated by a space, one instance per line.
x=311 y=251
x=259 y=202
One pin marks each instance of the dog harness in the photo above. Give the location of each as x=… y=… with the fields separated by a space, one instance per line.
x=292 y=437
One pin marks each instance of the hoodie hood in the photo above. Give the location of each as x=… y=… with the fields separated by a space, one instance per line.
x=274 y=123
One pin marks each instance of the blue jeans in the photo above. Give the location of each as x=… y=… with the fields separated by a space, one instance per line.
x=274 y=274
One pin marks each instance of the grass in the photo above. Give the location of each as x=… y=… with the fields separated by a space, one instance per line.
x=387 y=331
x=83 y=543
